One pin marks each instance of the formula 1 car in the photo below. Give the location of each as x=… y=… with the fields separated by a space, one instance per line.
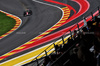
x=28 y=12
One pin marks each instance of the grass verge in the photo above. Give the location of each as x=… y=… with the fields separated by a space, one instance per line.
x=6 y=23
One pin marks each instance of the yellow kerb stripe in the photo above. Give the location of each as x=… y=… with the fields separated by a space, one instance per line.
x=8 y=54
x=19 y=48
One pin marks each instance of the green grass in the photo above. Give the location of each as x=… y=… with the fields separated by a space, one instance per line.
x=6 y=23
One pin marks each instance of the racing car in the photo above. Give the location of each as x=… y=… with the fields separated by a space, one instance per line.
x=28 y=12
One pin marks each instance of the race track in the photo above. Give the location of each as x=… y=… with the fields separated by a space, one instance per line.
x=43 y=18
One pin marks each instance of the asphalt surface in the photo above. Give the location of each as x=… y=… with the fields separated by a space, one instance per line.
x=43 y=18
